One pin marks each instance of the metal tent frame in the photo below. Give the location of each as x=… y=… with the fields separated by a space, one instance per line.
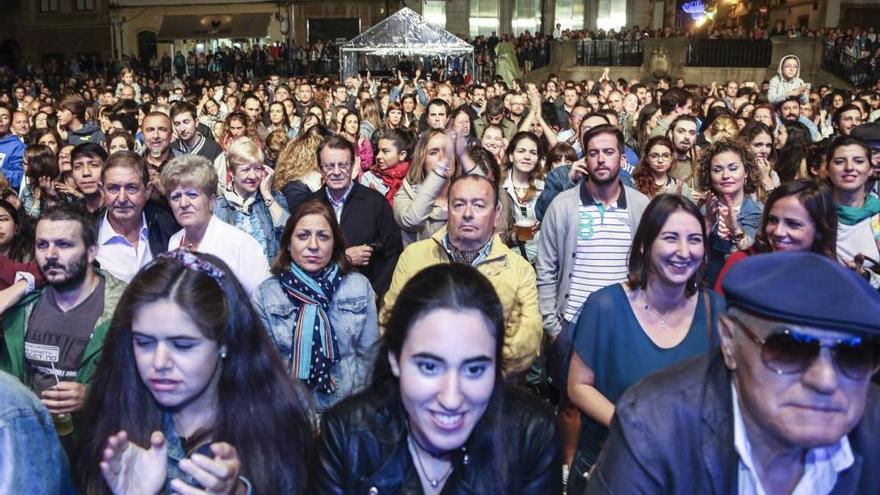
x=403 y=34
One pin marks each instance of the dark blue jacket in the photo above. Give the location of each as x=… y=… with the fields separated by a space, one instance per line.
x=673 y=433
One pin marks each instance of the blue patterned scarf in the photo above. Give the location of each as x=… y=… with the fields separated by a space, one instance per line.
x=315 y=350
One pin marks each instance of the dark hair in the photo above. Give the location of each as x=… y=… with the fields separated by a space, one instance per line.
x=334 y=142
x=93 y=150
x=117 y=134
x=129 y=160
x=40 y=133
x=494 y=107
x=74 y=213
x=42 y=162
x=273 y=442
x=457 y=287
x=74 y=103
x=645 y=115
x=672 y=98
x=462 y=110
x=486 y=162
x=653 y=219
x=642 y=175
x=560 y=151
x=21 y=247
x=789 y=159
x=838 y=114
x=400 y=138
x=180 y=107
x=604 y=129
x=128 y=121
x=818 y=199
x=538 y=172
x=704 y=175
x=311 y=207
x=841 y=141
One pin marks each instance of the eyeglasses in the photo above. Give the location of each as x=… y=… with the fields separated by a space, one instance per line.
x=342 y=166
x=788 y=352
x=657 y=156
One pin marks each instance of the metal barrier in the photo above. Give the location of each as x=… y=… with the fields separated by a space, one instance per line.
x=610 y=52
x=729 y=53
x=845 y=66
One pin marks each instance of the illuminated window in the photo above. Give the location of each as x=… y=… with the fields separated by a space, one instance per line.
x=611 y=14
x=526 y=16
x=484 y=17
x=434 y=11
x=570 y=14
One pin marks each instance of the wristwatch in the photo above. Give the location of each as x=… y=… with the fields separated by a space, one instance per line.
x=268 y=202
x=738 y=236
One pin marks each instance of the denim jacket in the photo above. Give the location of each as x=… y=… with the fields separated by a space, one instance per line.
x=353 y=313
x=231 y=213
x=31 y=458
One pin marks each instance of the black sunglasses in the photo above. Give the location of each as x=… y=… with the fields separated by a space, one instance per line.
x=787 y=352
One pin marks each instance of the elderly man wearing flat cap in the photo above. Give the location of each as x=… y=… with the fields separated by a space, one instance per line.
x=870 y=134
x=785 y=407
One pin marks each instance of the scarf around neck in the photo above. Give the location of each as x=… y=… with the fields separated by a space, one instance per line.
x=315 y=348
x=392 y=177
x=851 y=215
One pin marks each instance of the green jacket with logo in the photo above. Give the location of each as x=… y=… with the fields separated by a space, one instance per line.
x=15 y=323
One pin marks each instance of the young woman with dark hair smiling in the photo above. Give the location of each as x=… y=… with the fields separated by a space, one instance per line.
x=799 y=216
x=438 y=417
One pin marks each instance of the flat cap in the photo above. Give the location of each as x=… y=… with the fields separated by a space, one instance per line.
x=869 y=133
x=804 y=288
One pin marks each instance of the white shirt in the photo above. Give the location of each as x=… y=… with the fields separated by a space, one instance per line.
x=118 y=256
x=821 y=466
x=241 y=252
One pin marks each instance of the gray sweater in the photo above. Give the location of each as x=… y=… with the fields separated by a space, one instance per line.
x=557 y=249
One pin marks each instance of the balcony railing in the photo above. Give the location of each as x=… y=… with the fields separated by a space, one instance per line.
x=729 y=53
x=610 y=53
x=845 y=66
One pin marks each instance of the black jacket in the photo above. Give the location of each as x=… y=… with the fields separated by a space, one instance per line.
x=673 y=433
x=161 y=224
x=363 y=449
x=367 y=218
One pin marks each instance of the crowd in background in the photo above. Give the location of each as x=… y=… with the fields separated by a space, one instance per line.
x=217 y=248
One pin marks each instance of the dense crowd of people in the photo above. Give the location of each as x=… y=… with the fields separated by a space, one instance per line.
x=254 y=283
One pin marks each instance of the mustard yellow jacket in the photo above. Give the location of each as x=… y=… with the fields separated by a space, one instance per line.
x=514 y=281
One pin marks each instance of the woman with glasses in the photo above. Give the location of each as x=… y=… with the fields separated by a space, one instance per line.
x=438 y=416
x=190 y=183
x=651 y=176
x=798 y=216
x=658 y=317
x=729 y=176
x=247 y=201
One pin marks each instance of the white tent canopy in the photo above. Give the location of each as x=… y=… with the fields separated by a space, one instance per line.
x=404 y=34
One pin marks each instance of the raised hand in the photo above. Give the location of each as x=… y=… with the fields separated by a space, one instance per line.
x=131 y=470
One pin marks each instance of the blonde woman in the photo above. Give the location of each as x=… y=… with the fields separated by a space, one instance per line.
x=247 y=201
x=296 y=171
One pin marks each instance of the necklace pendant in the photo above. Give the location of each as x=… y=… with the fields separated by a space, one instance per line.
x=433 y=483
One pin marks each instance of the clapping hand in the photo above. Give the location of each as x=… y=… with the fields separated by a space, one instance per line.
x=131 y=470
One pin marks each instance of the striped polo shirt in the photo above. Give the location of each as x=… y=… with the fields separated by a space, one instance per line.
x=604 y=238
